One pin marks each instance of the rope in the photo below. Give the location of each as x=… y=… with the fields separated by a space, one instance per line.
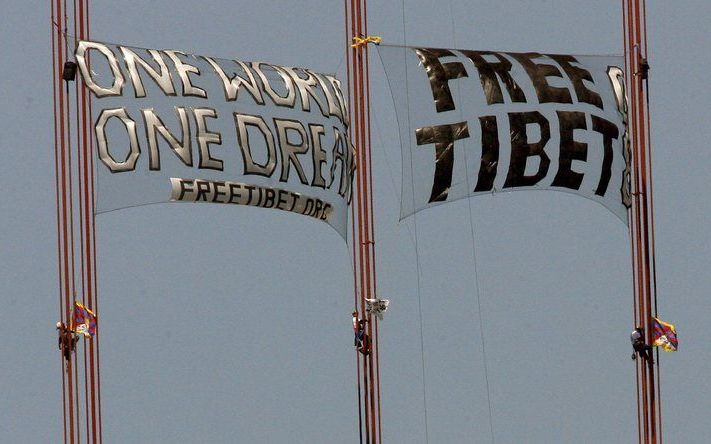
x=83 y=235
x=93 y=239
x=417 y=252
x=90 y=232
x=362 y=41
x=374 y=356
x=652 y=248
x=67 y=220
x=353 y=226
x=360 y=396
x=626 y=24
x=55 y=62
x=391 y=175
x=474 y=258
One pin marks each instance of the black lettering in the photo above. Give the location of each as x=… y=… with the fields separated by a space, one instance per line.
x=439 y=74
x=269 y=198
x=308 y=207
x=250 y=189
x=489 y=153
x=218 y=193
x=281 y=199
x=443 y=136
x=326 y=211
x=609 y=132
x=184 y=187
x=203 y=187
x=259 y=191
x=538 y=73
x=570 y=149
x=488 y=77
x=521 y=149
x=234 y=192
x=577 y=75
x=295 y=200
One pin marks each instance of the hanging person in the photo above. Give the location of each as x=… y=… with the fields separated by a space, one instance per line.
x=66 y=340
x=361 y=340
x=358 y=331
x=639 y=346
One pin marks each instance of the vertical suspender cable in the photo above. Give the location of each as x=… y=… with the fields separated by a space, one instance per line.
x=92 y=285
x=375 y=356
x=69 y=196
x=643 y=17
x=83 y=239
x=357 y=98
x=349 y=31
x=363 y=233
x=643 y=216
x=63 y=195
x=55 y=34
x=89 y=246
x=631 y=221
x=644 y=124
x=635 y=216
x=67 y=112
x=64 y=112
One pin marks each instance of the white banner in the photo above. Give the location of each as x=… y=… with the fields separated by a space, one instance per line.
x=171 y=126
x=477 y=122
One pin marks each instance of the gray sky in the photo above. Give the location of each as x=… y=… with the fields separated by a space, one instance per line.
x=233 y=324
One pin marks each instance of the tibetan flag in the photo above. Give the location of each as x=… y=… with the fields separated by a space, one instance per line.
x=84 y=320
x=664 y=335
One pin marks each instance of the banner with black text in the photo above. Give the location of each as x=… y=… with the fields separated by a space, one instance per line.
x=478 y=122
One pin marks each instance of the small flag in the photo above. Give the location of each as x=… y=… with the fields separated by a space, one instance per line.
x=84 y=320
x=377 y=307
x=664 y=335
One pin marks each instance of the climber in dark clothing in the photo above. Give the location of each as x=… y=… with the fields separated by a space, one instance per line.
x=66 y=340
x=639 y=346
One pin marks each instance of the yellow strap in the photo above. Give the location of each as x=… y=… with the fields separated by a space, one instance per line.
x=360 y=41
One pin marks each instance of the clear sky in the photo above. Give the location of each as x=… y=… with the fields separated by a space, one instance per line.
x=231 y=324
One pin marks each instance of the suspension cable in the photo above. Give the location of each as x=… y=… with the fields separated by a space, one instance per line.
x=631 y=221
x=643 y=214
x=55 y=34
x=355 y=235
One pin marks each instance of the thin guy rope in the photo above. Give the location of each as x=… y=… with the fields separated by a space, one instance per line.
x=417 y=252
x=476 y=273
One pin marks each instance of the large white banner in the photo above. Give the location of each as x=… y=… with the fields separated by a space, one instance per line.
x=477 y=122
x=171 y=126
